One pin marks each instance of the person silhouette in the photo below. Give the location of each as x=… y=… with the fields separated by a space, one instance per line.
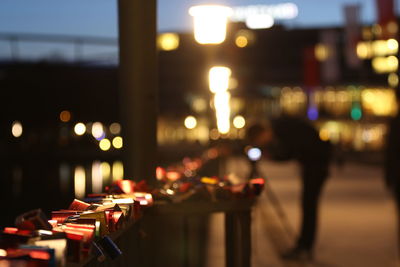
x=290 y=138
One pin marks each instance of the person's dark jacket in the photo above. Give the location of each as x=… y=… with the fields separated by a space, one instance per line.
x=297 y=139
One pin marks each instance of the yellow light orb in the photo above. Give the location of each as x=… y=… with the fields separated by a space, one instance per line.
x=79 y=128
x=16 y=129
x=117 y=142
x=321 y=52
x=241 y=41
x=239 y=122
x=117 y=171
x=168 y=41
x=393 y=80
x=190 y=122
x=105 y=144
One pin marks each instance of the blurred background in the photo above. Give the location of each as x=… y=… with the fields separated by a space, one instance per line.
x=334 y=63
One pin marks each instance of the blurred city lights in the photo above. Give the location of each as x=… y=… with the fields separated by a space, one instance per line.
x=199 y=104
x=239 y=122
x=79 y=128
x=276 y=11
x=105 y=144
x=117 y=142
x=385 y=64
x=364 y=50
x=321 y=52
x=16 y=129
x=105 y=171
x=97 y=130
x=233 y=83
x=79 y=182
x=263 y=21
x=241 y=41
x=254 y=154
x=392 y=27
x=222 y=111
x=65 y=116
x=117 y=171
x=219 y=78
x=377 y=30
x=214 y=134
x=393 y=80
x=97 y=177
x=377 y=48
x=190 y=122
x=168 y=41
x=244 y=38
x=393 y=46
x=324 y=134
x=160 y=173
x=379 y=102
x=210 y=23
x=115 y=128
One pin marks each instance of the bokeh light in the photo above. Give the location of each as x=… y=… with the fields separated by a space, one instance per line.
x=105 y=144
x=168 y=41
x=97 y=130
x=239 y=122
x=79 y=128
x=115 y=128
x=117 y=142
x=254 y=153
x=117 y=171
x=79 y=182
x=210 y=23
x=190 y=122
x=219 y=78
x=65 y=116
x=16 y=129
x=241 y=41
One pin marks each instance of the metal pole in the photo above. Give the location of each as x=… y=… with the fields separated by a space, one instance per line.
x=138 y=87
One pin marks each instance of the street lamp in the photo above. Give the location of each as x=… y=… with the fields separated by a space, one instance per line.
x=219 y=84
x=210 y=23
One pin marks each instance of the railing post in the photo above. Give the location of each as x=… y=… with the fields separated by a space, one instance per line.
x=138 y=86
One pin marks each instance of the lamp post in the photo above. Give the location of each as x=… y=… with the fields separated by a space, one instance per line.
x=210 y=24
x=219 y=83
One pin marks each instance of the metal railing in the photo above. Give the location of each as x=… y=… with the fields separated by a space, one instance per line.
x=77 y=43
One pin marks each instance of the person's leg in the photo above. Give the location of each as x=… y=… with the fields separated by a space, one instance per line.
x=313 y=179
x=312 y=187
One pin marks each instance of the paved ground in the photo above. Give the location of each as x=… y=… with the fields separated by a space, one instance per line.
x=357 y=219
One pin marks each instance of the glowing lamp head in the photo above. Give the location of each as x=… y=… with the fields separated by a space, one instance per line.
x=219 y=78
x=210 y=23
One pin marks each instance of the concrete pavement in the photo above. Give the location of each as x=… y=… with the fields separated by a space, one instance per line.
x=357 y=218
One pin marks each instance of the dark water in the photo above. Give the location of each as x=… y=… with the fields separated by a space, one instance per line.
x=51 y=184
